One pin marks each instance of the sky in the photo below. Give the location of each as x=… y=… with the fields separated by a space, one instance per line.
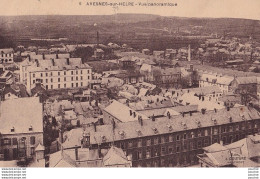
x=248 y=9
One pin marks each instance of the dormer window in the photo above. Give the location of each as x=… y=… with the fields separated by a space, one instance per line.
x=12 y=130
x=184 y=125
x=198 y=124
x=30 y=128
x=122 y=134
x=103 y=138
x=155 y=130
x=214 y=121
x=139 y=132
x=169 y=127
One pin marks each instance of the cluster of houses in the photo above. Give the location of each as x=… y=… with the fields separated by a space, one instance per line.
x=158 y=109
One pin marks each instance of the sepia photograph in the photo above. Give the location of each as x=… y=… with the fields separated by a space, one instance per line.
x=141 y=83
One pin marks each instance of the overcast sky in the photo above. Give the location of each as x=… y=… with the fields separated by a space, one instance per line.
x=249 y=9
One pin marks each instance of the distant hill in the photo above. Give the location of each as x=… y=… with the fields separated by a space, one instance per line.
x=122 y=27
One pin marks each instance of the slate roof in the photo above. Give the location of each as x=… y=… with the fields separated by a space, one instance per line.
x=21 y=114
x=130 y=129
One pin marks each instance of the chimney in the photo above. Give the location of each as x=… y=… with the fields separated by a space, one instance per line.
x=114 y=124
x=52 y=60
x=68 y=61
x=57 y=56
x=134 y=114
x=97 y=38
x=189 y=53
x=190 y=113
x=99 y=152
x=61 y=136
x=169 y=115
x=183 y=114
x=215 y=110
x=153 y=118
x=43 y=56
x=37 y=62
x=203 y=111
x=95 y=126
x=130 y=112
x=140 y=119
x=76 y=153
x=228 y=108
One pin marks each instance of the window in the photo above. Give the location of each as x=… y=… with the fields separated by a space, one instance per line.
x=76 y=72
x=223 y=129
x=51 y=80
x=192 y=135
x=64 y=78
x=148 y=153
x=206 y=142
x=72 y=72
x=177 y=137
x=215 y=130
x=32 y=140
x=64 y=85
x=155 y=140
x=199 y=144
x=51 y=74
x=6 y=141
x=14 y=140
x=77 y=78
x=32 y=150
x=206 y=132
x=58 y=73
x=178 y=149
x=163 y=150
x=58 y=79
x=46 y=80
x=76 y=84
x=156 y=152
x=139 y=143
x=81 y=83
x=46 y=74
x=148 y=142
x=71 y=78
x=88 y=77
x=139 y=155
x=171 y=138
x=170 y=149
x=80 y=71
x=88 y=71
x=81 y=78
x=230 y=128
x=41 y=74
x=72 y=85
x=33 y=75
x=51 y=86
x=130 y=144
x=58 y=85
x=184 y=136
x=64 y=72
x=46 y=87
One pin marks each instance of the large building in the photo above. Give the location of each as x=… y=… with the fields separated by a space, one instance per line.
x=172 y=140
x=21 y=128
x=56 y=73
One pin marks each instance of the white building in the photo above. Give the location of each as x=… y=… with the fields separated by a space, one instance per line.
x=56 y=73
x=7 y=55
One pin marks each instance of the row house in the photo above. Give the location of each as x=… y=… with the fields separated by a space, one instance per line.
x=173 y=140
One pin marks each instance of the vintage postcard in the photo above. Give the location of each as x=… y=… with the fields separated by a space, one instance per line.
x=139 y=83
